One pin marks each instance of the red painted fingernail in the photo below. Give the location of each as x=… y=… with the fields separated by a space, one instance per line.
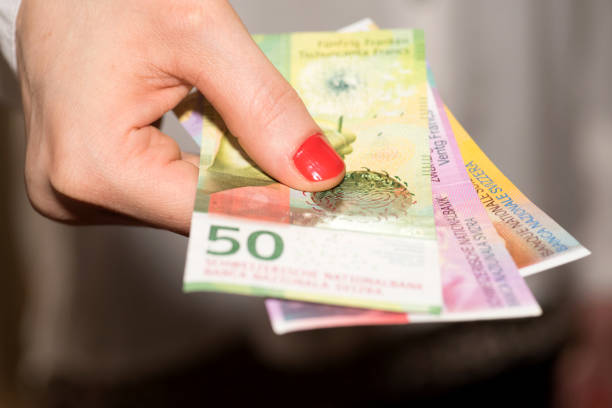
x=316 y=160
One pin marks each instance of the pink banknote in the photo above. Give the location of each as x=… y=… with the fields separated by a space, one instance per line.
x=480 y=279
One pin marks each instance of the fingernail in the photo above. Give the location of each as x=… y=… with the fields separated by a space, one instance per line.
x=316 y=160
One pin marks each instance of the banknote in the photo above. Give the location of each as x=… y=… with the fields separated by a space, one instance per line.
x=293 y=316
x=480 y=280
x=371 y=241
x=535 y=241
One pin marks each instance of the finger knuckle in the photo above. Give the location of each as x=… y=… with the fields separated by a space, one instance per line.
x=68 y=173
x=187 y=17
x=40 y=196
x=271 y=102
x=58 y=168
x=64 y=181
x=39 y=199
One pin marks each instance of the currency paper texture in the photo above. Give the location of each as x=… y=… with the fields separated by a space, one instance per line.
x=535 y=241
x=370 y=242
x=480 y=279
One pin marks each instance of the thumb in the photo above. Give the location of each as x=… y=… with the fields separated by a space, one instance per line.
x=259 y=107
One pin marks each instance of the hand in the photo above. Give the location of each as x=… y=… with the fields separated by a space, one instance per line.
x=95 y=75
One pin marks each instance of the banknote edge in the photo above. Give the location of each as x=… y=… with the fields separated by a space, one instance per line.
x=559 y=259
x=262 y=291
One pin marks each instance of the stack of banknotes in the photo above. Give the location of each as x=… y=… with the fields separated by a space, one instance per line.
x=424 y=227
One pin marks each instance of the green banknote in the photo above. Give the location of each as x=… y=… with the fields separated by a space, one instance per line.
x=369 y=242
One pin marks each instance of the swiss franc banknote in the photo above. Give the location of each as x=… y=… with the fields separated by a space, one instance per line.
x=371 y=241
x=293 y=316
x=480 y=279
x=535 y=241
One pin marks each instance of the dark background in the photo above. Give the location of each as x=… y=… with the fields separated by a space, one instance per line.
x=94 y=317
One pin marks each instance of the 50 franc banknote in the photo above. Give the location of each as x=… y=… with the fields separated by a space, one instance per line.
x=370 y=242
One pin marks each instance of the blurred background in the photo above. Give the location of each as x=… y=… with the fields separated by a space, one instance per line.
x=95 y=316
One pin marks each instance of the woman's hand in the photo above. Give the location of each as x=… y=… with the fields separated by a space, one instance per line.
x=96 y=74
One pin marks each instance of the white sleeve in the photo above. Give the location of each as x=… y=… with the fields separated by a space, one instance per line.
x=8 y=15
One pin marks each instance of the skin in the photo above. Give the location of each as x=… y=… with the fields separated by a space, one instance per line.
x=96 y=74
